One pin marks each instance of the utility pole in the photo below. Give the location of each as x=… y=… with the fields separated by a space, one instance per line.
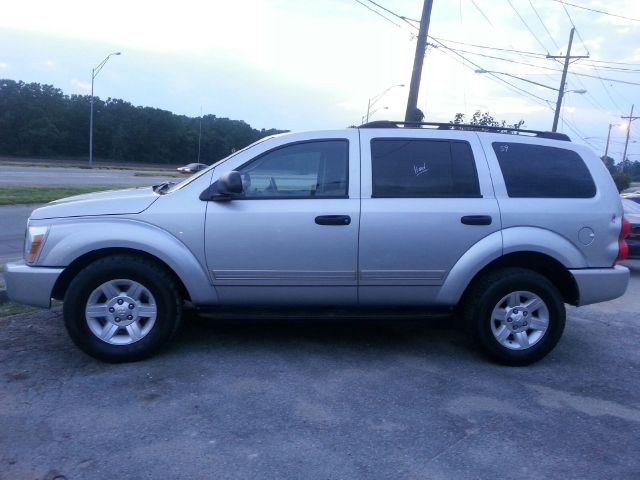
x=567 y=61
x=631 y=118
x=606 y=149
x=416 y=74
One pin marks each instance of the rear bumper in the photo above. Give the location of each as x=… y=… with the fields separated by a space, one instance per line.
x=600 y=284
x=30 y=285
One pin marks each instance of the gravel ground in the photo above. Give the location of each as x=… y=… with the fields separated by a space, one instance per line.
x=329 y=399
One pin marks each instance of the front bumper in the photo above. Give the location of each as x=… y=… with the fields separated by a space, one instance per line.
x=30 y=285
x=600 y=284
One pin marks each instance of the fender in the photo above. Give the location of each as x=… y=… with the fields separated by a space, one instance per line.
x=509 y=240
x=466 y=268
x=535 y=239
x=67 y=241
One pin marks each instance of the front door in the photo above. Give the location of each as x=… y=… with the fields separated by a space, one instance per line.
x=292 y=236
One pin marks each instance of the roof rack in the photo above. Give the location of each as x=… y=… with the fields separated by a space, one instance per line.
x=465 y=126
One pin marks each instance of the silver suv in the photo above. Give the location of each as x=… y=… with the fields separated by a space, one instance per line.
x=500 y=227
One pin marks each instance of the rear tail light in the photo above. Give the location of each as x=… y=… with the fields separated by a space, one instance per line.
x=623 y=248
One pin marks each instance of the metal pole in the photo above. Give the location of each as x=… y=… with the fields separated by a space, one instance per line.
x=567 y=58
x=368 y=109
x=606 y=150
x=94 y=73
x=416 y=74
x=626 y=143
x=93 y=76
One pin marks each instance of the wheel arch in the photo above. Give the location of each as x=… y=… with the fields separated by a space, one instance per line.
x=513 y=248
x=68 y=274
x=541 y=263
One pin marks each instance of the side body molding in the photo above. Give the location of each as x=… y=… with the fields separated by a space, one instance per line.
x=68 y=241
x=510 y=240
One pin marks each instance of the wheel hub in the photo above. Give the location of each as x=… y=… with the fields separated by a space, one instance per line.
x=123 y=310
x=517 y=319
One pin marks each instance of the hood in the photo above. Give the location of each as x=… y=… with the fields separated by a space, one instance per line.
x=112 y=202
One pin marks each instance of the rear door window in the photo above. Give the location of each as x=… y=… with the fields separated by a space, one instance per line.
x=423 y=168
x=538 y=171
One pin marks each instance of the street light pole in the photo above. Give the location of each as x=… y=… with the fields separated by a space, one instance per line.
x=372 y=101
x=94 y=73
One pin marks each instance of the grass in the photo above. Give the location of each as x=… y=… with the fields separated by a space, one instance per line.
x=14 y=194
x=175 y=175
x=11 y=308
x=84 y=165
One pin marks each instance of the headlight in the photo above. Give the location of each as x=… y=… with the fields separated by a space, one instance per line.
x=33 y=241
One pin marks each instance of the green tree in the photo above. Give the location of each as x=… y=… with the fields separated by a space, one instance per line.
x=622 y=180
x=484 y=119
x=40 y=120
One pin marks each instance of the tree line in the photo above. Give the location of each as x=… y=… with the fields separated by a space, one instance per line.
x=39 y=120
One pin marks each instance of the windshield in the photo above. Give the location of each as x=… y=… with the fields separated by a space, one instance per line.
x=190 y=179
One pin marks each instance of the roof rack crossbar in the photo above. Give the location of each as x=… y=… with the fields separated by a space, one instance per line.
x=464 y=126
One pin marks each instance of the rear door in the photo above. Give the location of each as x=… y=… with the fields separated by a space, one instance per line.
x=427 y=198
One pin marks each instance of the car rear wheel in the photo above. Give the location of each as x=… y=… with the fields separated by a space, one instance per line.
x=516 y=316
x=122 y=308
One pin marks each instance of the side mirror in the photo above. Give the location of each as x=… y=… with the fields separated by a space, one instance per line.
x=223 y=189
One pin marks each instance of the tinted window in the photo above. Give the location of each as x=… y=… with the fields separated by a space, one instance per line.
x=423 y=168
x=310 y=169
x=544 y=172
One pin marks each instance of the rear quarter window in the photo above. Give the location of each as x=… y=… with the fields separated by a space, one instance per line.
x=538 y=171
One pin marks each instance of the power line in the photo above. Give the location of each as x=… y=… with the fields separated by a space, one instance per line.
x=482 y=13
x=527 y=25
x=521 y=55
x=489 y=73
x=401 y=17
x=521 y=52
x=543 y=25
x=596 y=10
x=449 y=51
x=574 y=26
x=538 y=66
x=377 y=13
x=617 y=63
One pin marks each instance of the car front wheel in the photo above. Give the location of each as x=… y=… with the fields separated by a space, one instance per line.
x=121 y=308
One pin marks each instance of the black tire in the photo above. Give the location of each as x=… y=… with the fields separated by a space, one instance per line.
x=483 y=296
x=143 y=271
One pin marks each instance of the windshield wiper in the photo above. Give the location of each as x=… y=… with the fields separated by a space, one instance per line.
x=163 y=187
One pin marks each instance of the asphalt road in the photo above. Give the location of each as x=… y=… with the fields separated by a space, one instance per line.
x=324 y=399
x=23 y=175
x=13 y=220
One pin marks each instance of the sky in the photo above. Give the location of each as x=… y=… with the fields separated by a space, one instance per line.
x=315 y=64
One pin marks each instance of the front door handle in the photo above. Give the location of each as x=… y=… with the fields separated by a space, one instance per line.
x=476 y=220
x=333 y=220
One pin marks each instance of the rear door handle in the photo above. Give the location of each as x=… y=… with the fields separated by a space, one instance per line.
x=333 y=220
x=476 y=220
